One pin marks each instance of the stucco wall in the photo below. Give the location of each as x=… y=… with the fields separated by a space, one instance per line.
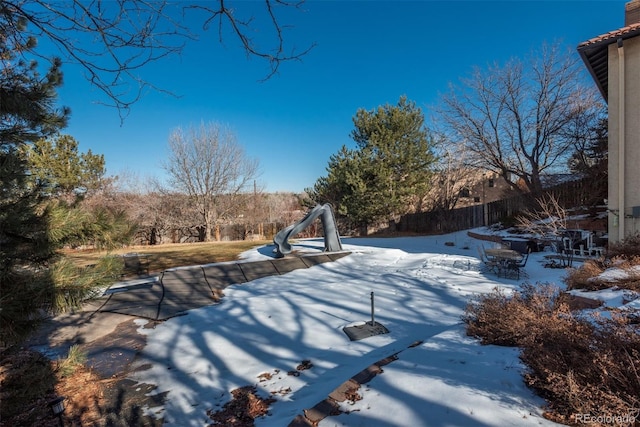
x=631 y=153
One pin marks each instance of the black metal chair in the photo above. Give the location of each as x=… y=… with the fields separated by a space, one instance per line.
x=516 y=267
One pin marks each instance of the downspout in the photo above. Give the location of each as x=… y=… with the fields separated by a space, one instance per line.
x=621 y=142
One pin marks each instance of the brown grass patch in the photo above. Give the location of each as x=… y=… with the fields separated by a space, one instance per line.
x=173 y=255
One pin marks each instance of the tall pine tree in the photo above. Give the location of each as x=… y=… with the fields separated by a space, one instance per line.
x=56 y=164
x=33 y=276
x=390 y=166
x=27 y=112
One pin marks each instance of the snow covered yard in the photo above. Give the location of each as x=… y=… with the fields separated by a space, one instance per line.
x=262 y=330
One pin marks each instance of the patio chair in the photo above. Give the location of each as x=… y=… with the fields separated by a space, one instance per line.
x=516 y=267
x=135 y=264
x=488 y=264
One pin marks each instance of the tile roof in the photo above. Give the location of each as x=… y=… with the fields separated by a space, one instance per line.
x=594 y=53
x=611 y=36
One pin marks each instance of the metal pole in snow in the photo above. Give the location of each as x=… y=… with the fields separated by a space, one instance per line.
x=373 y=320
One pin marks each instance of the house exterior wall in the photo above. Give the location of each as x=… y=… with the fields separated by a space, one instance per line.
x=621 y=223
x=488 y=188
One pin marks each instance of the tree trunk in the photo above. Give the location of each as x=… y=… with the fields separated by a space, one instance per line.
x=208 y=225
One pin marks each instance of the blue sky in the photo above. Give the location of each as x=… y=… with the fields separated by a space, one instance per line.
x=368 y=53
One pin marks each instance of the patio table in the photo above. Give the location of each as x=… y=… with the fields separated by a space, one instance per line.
x=505 y=259
x=504 y=254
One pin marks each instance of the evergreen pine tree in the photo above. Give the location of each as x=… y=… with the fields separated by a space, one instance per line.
x=33 y=275
x=27 y=112
x=56 y=165
x=391 y=165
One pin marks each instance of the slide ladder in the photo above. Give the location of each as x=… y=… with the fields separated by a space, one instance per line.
x=332 y=241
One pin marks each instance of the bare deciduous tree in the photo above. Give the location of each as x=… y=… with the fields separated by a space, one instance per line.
x=519 y=119
x=112 y=40
x=451 y=175
x=208 y=164
x=549 y=221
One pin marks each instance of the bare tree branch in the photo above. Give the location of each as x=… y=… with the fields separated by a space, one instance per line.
x=518 y=119
x=549 y=222
x=113 y=40
x=450 y=176
x=241 y=29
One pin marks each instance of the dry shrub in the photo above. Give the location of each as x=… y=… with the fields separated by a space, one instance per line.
x=628 y=247
x=630 y=265
x=585 y=369
x=586 y=277
x=500 y=319
x=579 y=366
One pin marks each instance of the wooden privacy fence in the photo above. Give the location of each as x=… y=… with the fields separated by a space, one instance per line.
x=442 y=221
x=569 y=194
